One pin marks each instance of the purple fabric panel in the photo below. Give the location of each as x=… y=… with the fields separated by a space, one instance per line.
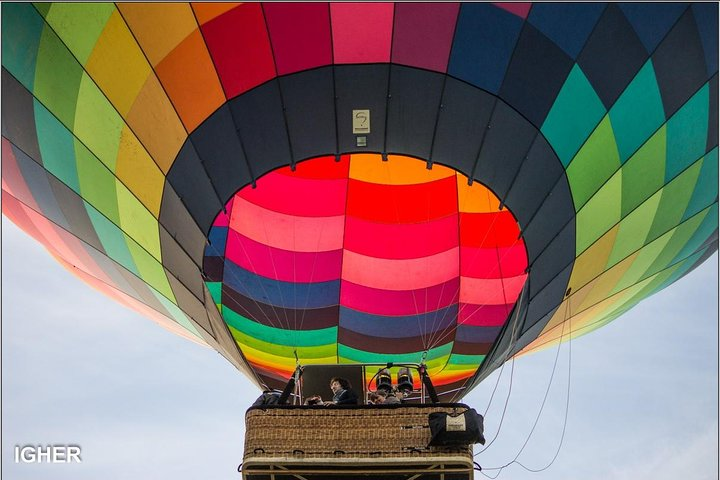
x=423 y=34
x=399 y=302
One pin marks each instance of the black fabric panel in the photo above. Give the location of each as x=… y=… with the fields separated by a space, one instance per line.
x=73 y=208
x=412 y=110
x=532 y=333
x=547 y=300
x=466 y=348
x=143 y=290
x=535 y=75
x=310 y=112
x=18 y=116
x=506 y=144
x=462 y=123
x=260 y=121
x=612 y=55
x=188 y=179
x=553 y=259
x=536 y=177
x=386 y=345
x=37 y=180
x=311 y=319
x=228 y=347
x=679 y=64
x=360 y=87
x=181 y=265
x=712 y=139
x=175 y=217
x=218 y=147
x=213 y=268
x=189 y=304
x=555 y=212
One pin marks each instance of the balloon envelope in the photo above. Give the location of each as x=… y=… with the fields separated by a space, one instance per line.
x=366 y=182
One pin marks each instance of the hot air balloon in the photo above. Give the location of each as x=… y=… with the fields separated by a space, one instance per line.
x=447 y=184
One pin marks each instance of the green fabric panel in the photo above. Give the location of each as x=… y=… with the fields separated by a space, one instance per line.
x=215 y=289
x=680 y=237
x=97 y=123
x=647 y=256
x=97 y=183
x=460 y=359
x=656 y=283
x=178 y=315
x=681 y=269
x=112 y=239
x=576 y=111
x=702 y=234
x=596 y=161
x=644 y=173
x=674 y=202
x=280 y=336
x=634 y=230
x=706 y=188
x=436 y=357
x=687 y=133
x=57 y=78
x=288 y=351
x=43 y=8
x=21 y=31
x=151 y=271
x=56 y=147
x=599 y=214
x=79 y=25
x=638 y=112
x=137 y=222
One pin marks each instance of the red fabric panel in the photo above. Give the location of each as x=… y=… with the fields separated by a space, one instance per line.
x=483 y=262
x=398 y=302
x=423 y=34
x=415 y=240
x=488 y=229
x=361 y=32
x=300 y=35
x=402 y=203
x=483 y=315
x=239 y=44
x=320 y=167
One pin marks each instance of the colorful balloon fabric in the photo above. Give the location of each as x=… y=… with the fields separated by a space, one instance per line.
x=366 y=182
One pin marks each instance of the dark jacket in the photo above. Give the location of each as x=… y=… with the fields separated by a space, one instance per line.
x=346 y=397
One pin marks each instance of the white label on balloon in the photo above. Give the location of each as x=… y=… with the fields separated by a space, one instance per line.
x=455 y=424
x=361 y=121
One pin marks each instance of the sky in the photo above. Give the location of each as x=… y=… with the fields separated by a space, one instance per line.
x=80 y=369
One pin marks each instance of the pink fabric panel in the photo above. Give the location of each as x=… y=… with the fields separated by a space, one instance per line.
x=401 y=241
x=423 y=34
x=12 y=179
x=361 y=32
x=223 y=219
x=398 y=302
x=283 y=265
x=300 y=35
x=408 y=274
x=483 y=262
x=483 y=315
x=490 y=291
x=521 y=9
x=305 y=197
x=300 y=234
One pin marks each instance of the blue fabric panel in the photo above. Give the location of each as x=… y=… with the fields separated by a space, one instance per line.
x=216 y=239
x=706 y=18
x=281 y=294
x=566 y=24
x=484 y=40
x=398 y=326
x=476 y=334
x=652 y=21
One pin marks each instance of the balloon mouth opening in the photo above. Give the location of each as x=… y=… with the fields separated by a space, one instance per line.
x=361 y=259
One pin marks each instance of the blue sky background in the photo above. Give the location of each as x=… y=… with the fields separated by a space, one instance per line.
x=78 y=368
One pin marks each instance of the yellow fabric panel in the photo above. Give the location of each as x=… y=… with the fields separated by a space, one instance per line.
x=138 y=223
x=605 y=284
x=207 y=11
x=118 y=65
x=476 y=198
x=158 y=27
x=592 y=262
x=151 y=271
x=598 y=215
x=97 y=124
x=157 y=125
x=139 y=173
x=398 y=170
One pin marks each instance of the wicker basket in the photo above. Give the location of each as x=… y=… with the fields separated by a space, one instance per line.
x=348 y=441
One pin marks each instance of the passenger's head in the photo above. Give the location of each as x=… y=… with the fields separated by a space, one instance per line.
x=338 y=383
